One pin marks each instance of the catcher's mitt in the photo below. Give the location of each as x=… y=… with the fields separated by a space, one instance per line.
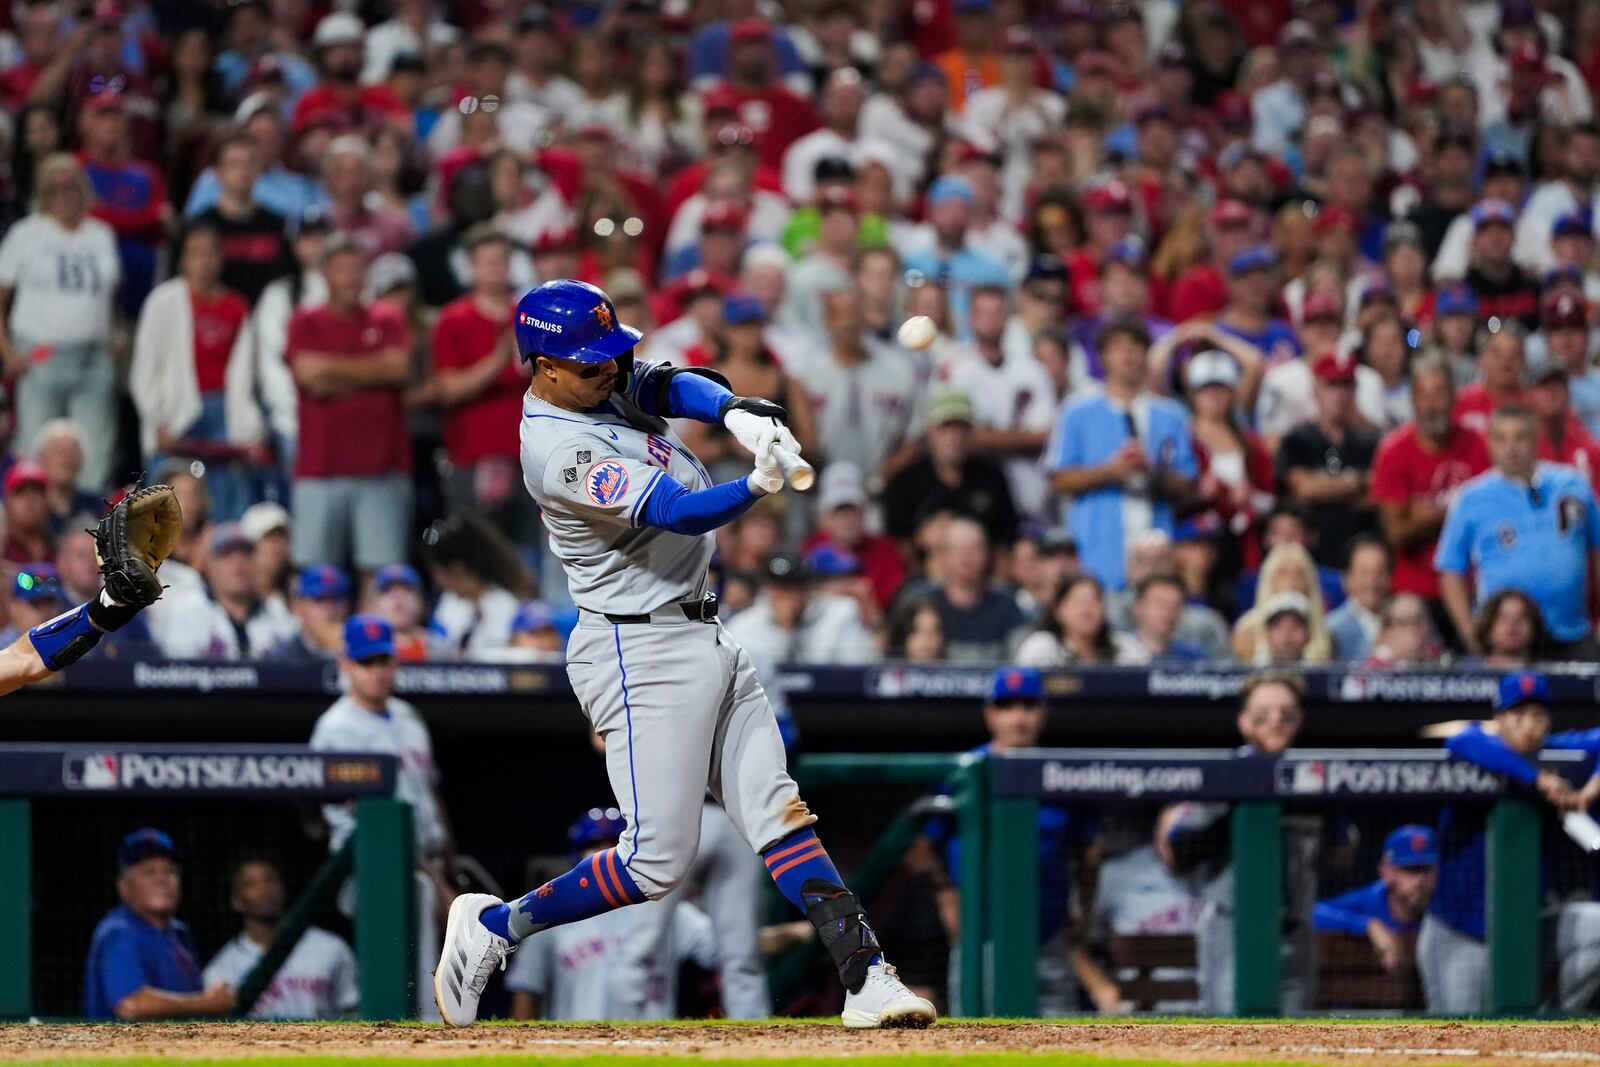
x=132 y=541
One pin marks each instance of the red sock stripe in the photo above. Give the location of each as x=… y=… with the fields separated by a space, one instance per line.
x=816 y=851
x=599 y=880
x=616 y=878
x=810 y=842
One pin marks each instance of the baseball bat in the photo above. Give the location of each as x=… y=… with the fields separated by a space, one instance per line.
x=797 y=472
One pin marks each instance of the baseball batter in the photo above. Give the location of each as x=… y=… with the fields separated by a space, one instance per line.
x=630 y=513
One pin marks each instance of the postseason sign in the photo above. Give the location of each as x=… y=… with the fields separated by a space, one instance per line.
x=1093 y=774
x=286 y=772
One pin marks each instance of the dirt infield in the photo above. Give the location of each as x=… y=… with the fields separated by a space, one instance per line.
x=1378 y=1044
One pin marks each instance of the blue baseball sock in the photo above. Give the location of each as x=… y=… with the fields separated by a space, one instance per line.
x=597 y=884
x=796 y=860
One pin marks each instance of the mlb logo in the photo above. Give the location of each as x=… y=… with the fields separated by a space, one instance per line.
x=1302 y=778
x=97 y=770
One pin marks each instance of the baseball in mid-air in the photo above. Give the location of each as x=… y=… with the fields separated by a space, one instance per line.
x=918 y=332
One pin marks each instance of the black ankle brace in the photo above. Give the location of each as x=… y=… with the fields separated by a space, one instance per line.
x=840 y=923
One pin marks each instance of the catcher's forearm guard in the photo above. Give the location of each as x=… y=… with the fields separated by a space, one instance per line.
x=65 y=639
x=840 y=923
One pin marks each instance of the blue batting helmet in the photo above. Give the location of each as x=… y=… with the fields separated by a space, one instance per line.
x=596 y=824
x=569 y=319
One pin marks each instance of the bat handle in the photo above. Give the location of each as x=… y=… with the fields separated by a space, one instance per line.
x=800 y=475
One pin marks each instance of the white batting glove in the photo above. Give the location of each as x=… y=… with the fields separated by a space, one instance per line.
x=747 y=418
x=766 y=478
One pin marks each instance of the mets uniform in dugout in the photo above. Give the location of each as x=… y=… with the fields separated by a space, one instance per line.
x=630 y=513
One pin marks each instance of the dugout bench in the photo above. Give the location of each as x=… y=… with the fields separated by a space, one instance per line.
x=380 y=853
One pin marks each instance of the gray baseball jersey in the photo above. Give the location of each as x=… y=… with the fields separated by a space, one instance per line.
x=591 y=473
x=317 y=981
x=579 y=969
x=348 y=727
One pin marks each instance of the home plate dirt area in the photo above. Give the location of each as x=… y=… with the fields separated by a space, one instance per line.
x=1082 y=1043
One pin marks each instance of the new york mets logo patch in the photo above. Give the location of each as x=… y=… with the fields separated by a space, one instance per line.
x=606 y=482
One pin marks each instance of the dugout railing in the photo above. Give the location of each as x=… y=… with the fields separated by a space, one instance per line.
x=212 y=780
x=1000 y=797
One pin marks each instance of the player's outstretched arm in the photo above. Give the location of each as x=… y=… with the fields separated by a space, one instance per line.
x=20 y=664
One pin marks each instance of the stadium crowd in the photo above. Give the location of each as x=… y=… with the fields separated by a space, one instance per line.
x=1265 y=328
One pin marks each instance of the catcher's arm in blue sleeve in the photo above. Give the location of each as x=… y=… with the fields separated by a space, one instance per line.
x=1476 y=745
x=132 y=541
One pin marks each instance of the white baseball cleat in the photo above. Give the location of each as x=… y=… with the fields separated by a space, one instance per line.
x=472 y=952
x=884 y=1002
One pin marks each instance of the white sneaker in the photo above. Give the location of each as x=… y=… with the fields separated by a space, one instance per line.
x=472 y=952
x=884 y=1002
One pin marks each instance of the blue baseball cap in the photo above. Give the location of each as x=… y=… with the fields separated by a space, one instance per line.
x=1456 y=300
x=534 y=615
x=321 y=581
x=1412 y=845
x=396 y=574
x=144 y=843
x=1573 y=224
x=1521 y=687
x=367 y=635
x=38 y=582
x=831 y=561
x=1256 y=257
x=739 y=307
x=569 y=319
x=1488 y=212
x=1016 y=683
x=1570 y=273
x=950 y=186
x=1130 y=252
x=594 y=826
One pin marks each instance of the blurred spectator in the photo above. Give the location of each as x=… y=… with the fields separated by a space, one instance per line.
x=1236 y=486
x=536 y=635
x=141 y=962
x=653 y=116
x=255 y=244
x=129 y=194
x=1454 y=337
x=1565 y=333
x=1503 y=290
x=1325 y=464
x=914 y=632
x=1288 y=569
x=538 y=78
x=1153 y=553
x=1013 y=401
x=981 y=620
x=791 y=622
x=839 y=108
x=1395 y=904
x=267 y=524
x=1158 y=603
x=754 y=94
x=303 y=287
x=27 y=514
x=1509 y=631
x=397 y=595
x=1354 y=625
x=1072 y=629
x=1562 y=438
x=58 y=272
x=479 y=385
x=337 y=100
x=948 y=477
x=1405 y=634
x=1040 y=561
x=350 y=360
x=1202 y=289
x=865 y=396
x=59 y=450
x=192 y=376
x=1286 y=629
x=228 y=620
x=942 y=249
x=321 y=604
x=278 y=187
x=1525 y=525
x=347 y=175
x=414 y=30
x=841 y=525
x=1125 y=456
x=1417 y=471
x=1250 y=313
x=316 y=981
x=480 y=580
